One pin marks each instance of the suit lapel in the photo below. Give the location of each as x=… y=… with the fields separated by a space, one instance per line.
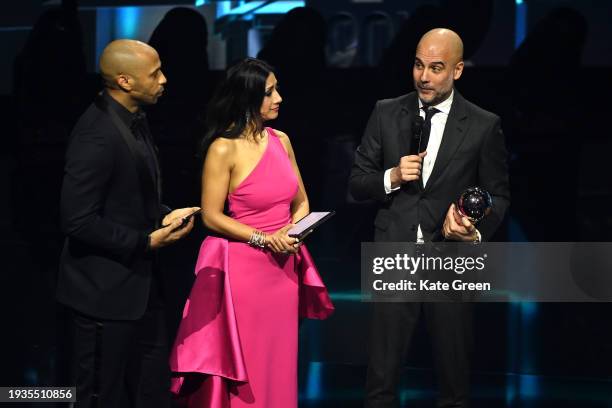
x=147 y=184
x=156 y=161
x=454 y=133
x=409 y=109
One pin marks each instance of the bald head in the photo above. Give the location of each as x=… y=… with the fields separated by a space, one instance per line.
x=124 y=57
x=442 y=41
x=132 y=72
x=438 y=63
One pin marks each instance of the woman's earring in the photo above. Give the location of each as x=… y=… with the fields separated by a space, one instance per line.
x=247 y=117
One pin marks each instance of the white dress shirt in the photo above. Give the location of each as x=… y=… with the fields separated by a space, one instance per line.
x=438 y=122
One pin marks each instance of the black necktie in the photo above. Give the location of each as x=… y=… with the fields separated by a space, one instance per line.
x=429 y=112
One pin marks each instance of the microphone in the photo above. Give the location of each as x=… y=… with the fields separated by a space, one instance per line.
x=417 y=131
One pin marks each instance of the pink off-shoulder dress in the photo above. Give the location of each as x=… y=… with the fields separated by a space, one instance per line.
x=237 y=342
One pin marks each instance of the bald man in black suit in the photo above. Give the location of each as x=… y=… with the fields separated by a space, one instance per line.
x=462 y=145
x=114 y=223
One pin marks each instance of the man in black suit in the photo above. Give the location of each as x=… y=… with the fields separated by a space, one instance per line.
x=114 y=223
x=462 y=145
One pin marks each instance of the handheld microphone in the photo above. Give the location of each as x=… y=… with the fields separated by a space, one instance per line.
x=417 y=131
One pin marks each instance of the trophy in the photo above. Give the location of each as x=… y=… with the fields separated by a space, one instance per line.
x=474 y=203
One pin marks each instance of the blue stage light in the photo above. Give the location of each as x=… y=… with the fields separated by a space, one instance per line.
x=529 y=386
x=520 y=27
x=313 y=382
x=256 y=7
x=127 y=21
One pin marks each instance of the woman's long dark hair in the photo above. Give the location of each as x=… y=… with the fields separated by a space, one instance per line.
x=236 y=104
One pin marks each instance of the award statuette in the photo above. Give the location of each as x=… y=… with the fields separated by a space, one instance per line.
x=474 y=203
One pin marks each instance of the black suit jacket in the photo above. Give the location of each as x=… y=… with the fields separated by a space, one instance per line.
x=109 y=205
x=472 y=153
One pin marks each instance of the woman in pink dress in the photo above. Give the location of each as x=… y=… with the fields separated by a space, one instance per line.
x=238 y=340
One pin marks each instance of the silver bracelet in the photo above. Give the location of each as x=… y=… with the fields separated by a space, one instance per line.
x=258 y=239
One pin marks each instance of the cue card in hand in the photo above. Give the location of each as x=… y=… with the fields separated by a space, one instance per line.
x=307 y=224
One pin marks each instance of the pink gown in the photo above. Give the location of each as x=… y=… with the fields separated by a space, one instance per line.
x=238 y=339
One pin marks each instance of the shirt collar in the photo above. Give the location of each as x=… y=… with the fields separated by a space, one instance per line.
x=443 y=106
x=125 y=115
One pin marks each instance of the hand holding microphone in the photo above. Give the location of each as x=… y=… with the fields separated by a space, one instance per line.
x=408 y=169
x=410 y=166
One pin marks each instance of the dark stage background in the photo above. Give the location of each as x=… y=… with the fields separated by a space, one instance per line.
x=544 y=66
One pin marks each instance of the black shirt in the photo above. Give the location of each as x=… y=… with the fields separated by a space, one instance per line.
x=137 y=123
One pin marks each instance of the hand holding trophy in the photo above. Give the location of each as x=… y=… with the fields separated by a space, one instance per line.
x=473 y=205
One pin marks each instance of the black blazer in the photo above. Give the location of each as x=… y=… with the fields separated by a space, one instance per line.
x=472 y=153
x=109 y=205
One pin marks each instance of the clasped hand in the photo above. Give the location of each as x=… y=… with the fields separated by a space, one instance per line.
x=281 y=242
